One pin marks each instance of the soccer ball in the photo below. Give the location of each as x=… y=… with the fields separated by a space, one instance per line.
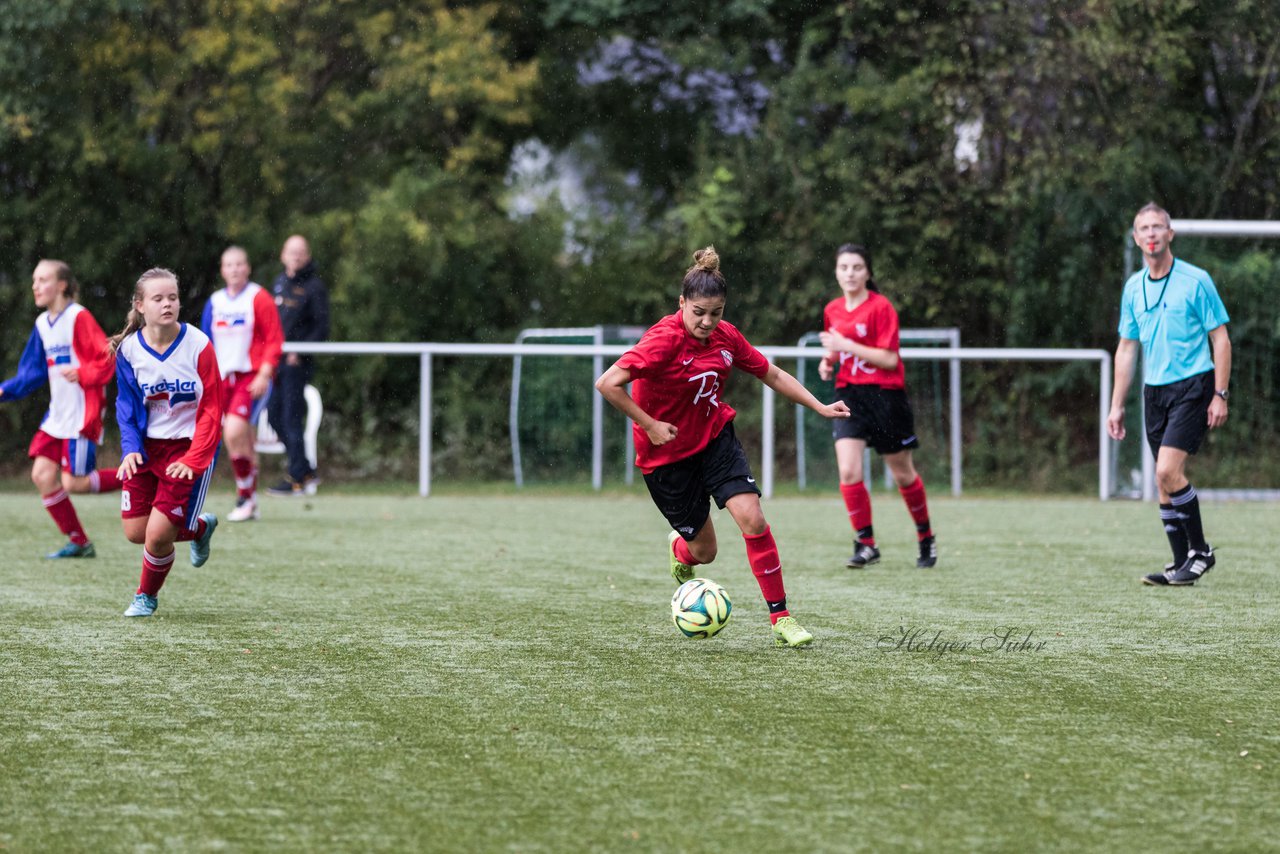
x=700 y=608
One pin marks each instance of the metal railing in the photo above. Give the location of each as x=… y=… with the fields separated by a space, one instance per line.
x=426 y=351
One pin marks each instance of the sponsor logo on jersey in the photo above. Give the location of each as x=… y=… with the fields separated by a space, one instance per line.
x=708 y=384
x=57 y=354
x=230 y=320
x=175 y=392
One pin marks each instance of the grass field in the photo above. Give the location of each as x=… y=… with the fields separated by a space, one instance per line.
x=498 y=673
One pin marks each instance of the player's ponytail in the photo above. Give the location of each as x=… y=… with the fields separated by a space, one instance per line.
x=135 y=321
x=859 y=249
x=704 y=278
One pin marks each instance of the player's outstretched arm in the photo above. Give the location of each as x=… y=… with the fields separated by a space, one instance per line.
x=791 y=388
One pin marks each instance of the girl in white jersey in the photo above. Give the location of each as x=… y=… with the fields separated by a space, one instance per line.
x=67 y=351
x=169 y=405
x=242 y=321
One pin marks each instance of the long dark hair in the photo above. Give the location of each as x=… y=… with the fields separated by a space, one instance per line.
x=859 y=249
x=704 y=280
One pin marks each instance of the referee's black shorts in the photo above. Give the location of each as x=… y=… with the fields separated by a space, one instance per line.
x=1178 y=413
x=683 y=489
x=881 y=417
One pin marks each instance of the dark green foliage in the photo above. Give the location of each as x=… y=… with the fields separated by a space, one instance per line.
x=134 y=133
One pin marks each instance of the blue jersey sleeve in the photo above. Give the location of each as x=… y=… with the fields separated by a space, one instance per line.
x=206 y=319
x=1209 y=305
x=33 y=372
x=1128 y=323
x=131 y=409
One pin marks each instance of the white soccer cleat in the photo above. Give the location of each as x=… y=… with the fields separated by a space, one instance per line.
x=246 y=510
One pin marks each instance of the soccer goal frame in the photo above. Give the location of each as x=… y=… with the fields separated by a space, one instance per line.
x=599 y=336
x=1200 y=228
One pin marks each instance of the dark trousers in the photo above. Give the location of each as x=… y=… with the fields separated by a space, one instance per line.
x=287 y=413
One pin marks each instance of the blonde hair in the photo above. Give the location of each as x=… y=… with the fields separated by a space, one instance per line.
x=135 y=321
x=704 y=278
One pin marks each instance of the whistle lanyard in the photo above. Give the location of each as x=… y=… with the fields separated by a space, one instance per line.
x=1146 y=277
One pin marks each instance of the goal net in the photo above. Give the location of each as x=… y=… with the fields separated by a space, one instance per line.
x=561 y=429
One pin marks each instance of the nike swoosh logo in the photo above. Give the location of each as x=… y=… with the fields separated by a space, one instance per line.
x=751 y=480
x=687 y=361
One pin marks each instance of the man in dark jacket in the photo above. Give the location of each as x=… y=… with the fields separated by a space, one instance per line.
x=303 y=303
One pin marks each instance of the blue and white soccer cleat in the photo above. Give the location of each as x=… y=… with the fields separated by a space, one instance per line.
x=142 y=606
x=72 y=550
x=200 y=546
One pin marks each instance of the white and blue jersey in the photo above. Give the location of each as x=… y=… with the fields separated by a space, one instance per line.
x=70 y=339
x=1172 y=318
x=175 y=394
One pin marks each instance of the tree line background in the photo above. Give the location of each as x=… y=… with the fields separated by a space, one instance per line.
x=465 y=170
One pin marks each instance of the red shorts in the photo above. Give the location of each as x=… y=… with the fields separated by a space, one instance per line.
x=235 y=394
x=78 y=456
x=178 y=499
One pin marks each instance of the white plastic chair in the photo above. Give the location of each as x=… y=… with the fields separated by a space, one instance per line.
x=269 y=443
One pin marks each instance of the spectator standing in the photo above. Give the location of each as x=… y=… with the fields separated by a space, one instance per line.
x=303 y=303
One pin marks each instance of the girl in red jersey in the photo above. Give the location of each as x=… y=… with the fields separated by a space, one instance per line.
x=242 y=321
x=861 y=338
x=685 y=443
x=169 y=405
x=67 y=351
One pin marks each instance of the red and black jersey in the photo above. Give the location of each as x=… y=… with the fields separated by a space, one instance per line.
x=677 y=379
x=874 y=322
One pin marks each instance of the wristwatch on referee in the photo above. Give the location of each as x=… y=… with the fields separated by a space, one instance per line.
x=1222 y=393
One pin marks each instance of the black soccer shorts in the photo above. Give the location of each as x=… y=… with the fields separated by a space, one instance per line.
x=682 y=490
x=881 y=417
x=1178 y=413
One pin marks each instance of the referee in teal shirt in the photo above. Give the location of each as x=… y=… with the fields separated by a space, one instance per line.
x=1173 y=310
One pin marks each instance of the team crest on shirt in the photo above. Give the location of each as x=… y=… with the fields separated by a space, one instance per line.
x=862 y=329
x=728 y=357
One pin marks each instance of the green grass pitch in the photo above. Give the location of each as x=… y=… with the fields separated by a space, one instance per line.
x=498 y=672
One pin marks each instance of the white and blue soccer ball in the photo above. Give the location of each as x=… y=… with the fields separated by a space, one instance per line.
x=700 y=608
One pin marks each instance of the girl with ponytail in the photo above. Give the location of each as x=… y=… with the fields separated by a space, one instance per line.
x=685 y=443
x=169 y=407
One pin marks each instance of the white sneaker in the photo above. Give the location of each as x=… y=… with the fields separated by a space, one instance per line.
x=246 y=510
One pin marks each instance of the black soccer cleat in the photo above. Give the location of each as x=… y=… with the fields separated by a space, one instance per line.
x=1160 y=579
x=928 y=553
x=1197 y=564
x=864 y=554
